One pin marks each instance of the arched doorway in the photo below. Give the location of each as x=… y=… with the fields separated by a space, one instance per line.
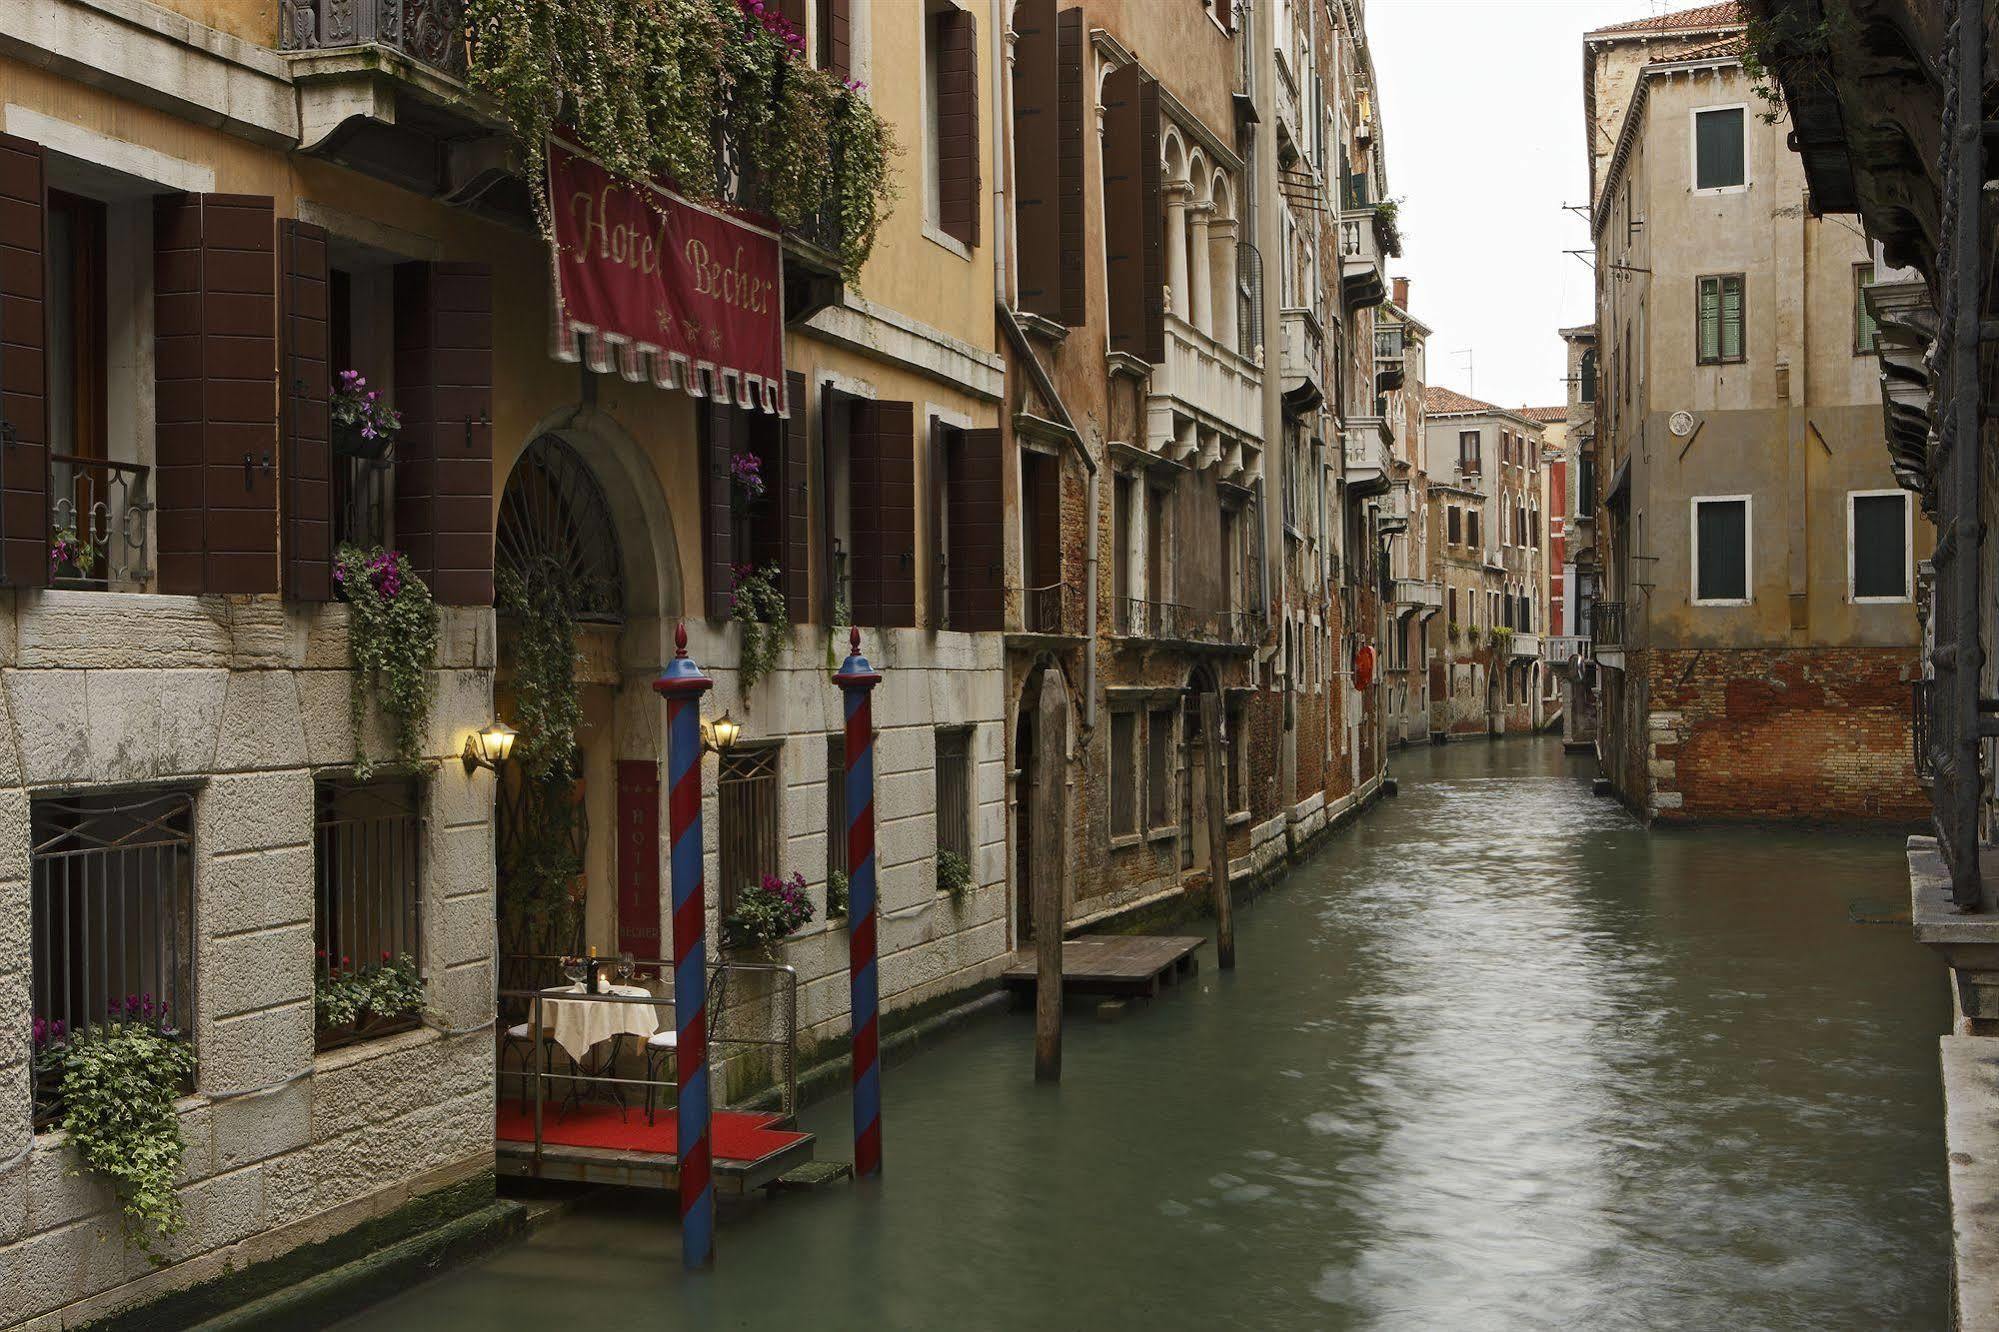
x=560 y=593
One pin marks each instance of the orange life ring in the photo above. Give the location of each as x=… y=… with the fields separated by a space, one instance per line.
x=1363 y=666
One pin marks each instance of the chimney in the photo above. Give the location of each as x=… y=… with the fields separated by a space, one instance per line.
x=1402 y=292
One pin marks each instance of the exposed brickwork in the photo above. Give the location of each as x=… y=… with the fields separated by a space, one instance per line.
x=1789 y=733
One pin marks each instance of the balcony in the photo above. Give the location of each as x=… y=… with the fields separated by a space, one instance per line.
x=1425 y=595
x=1514 y=559
x=1303 y=363
x=1523 y=645
x=1189 y=626
x=101 y=513
x=1363 y=279
x=1561 y=649
x=1369 y=447
x=1205 y=408
x=1047 y=612
x=1392 y=516
x=1606 y=631
x=381 y=91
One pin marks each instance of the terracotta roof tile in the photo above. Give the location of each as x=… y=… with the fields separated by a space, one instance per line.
x=1733 y=45
x=1545 y=415
x=1441 y=401
x=1701 y=16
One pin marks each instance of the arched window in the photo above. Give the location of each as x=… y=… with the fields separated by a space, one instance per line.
x=1588 y=376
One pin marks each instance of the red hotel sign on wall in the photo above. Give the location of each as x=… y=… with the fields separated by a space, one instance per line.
x=657 y=287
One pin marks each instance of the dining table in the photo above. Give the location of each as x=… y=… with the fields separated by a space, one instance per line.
x=579 y=1025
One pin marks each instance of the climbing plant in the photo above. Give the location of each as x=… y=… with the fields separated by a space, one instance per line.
x=1788 y=49
x=393 y=638
x=118 y=1082
x=658 y=87
x=756 y=602
x=540 y=607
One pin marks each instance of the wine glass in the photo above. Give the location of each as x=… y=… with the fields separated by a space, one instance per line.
x=576 y=969
x=623 y=972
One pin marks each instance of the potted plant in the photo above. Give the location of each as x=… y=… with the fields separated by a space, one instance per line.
x=746 y=481
x=117 y=1082
x=954 y=872
x=352 y=1003
x=70 y=556
x=836 y=894
x=393 y=638
x=756 y=602
x=766 y=912
x=363 y=425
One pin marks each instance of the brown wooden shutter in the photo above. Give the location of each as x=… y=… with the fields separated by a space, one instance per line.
x=306 y=469
x=794 y=14
x=1037 y=127
x=1047 y=533
x=795 y=498
x=958 y=127
x=939 y=469
x=835 y=37
x=24 y=455
x=216 y=402
x=1134 y=250
x=978 y=533
x=444 y=455
x=882 y=513
x=721 y=428
x=1073 y=309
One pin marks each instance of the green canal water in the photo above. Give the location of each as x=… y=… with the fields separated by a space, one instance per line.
x=1495 y=1059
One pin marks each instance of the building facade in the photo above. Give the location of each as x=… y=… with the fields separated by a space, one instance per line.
x=1755 y=629
x=1575 y=554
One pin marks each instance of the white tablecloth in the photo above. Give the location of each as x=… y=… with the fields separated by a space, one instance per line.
x=577 y=1025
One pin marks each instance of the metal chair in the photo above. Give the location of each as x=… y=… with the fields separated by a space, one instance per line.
x=519 y=1039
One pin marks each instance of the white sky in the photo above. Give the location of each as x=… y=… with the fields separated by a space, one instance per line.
x=1482 y=111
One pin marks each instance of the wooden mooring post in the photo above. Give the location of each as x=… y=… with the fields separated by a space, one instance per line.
x=1218 y=829
x=1047 y=864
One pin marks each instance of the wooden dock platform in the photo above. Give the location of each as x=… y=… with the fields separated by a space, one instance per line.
x=1137 y=964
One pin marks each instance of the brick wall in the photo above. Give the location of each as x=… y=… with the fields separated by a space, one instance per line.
x=1806 y=733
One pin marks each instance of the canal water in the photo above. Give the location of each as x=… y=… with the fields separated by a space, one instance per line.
x=1495 y=1059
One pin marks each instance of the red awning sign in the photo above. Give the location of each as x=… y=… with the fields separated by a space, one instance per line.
x=663 y=289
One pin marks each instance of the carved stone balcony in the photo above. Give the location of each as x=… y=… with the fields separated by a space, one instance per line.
x=1303 y=363
x=1369 y=447
x=1523 y=644
x=1423 y=595
x=380 y=90
x=1205 y=407
x=1363 y=276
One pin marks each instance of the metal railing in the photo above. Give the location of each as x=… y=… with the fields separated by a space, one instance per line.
x=1606 y=624
x=752 y=1010
x=111 y=916
x=430 y=31
x=1138 y=617
x=1045 y=610
x=102 y=512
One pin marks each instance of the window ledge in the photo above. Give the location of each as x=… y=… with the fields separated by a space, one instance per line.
x=1162 y=834
x=1125 y=841
x=1237 y=819
x=944 y=239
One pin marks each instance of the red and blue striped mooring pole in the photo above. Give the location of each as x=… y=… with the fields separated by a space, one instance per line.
x=857 y=680
x=682 y=684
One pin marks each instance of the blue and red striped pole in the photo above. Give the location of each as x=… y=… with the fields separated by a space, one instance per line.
x=682 y=684
x=857 y=680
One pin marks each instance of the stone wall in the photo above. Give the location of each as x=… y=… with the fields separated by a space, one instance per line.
x=241 y=701
x=1804 y=733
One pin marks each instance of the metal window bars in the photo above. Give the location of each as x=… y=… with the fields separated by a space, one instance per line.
x=105 y=509
x=367 y=872
x=746 y=793
x=111 y=910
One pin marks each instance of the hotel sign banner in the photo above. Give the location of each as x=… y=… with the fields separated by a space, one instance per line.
x=659 y=288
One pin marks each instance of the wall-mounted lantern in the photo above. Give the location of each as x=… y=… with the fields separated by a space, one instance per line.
x=722 y=734
x=488 y=747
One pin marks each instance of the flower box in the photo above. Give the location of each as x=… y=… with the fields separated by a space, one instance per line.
x=368 y=1027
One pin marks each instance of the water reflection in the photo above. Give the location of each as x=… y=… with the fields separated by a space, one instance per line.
x=1496 y=1059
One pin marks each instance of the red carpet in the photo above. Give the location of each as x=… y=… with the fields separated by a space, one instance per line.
x=735 y=1137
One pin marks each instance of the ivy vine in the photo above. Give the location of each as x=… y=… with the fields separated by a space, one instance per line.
x=756 y=602
x=118 y=1084
x=541 y=607
x=657 y=87
x=393 y=637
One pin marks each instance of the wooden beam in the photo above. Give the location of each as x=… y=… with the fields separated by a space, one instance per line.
x=1218 y=830
x=1045 y=864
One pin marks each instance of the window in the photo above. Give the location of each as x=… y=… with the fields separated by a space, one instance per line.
x=746 y=802
x=111 y=911
x=1159 y=769
x=1471 y=529
x=836 y=804
x=1720 y=318
x=1718 y=161
x=1121 y=539
x=1156 y=544
x=1124 y=774
x=834 y=38
x=1588 y=376
x=76 y=325
x=1721 y=550
x=1864 y=330
x=1454 y=606
x=1468 y=451
x=1586 y=485
x=1238 y=759
x=1454 y=522
x=950 y=115
x=367 y=849
x=1878 y=536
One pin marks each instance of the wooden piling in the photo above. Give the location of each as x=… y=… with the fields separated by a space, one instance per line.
x=1218 y=829
x=1047 y=865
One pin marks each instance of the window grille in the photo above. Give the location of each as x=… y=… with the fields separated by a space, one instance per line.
x=367 y=855
x=112 y=908
x=1124 y=773
x=746 y=798
x=836 y=805
x=954 y=791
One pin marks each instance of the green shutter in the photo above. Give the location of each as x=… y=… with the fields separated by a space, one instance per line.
x=1731 y=319
x=1710 y=319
